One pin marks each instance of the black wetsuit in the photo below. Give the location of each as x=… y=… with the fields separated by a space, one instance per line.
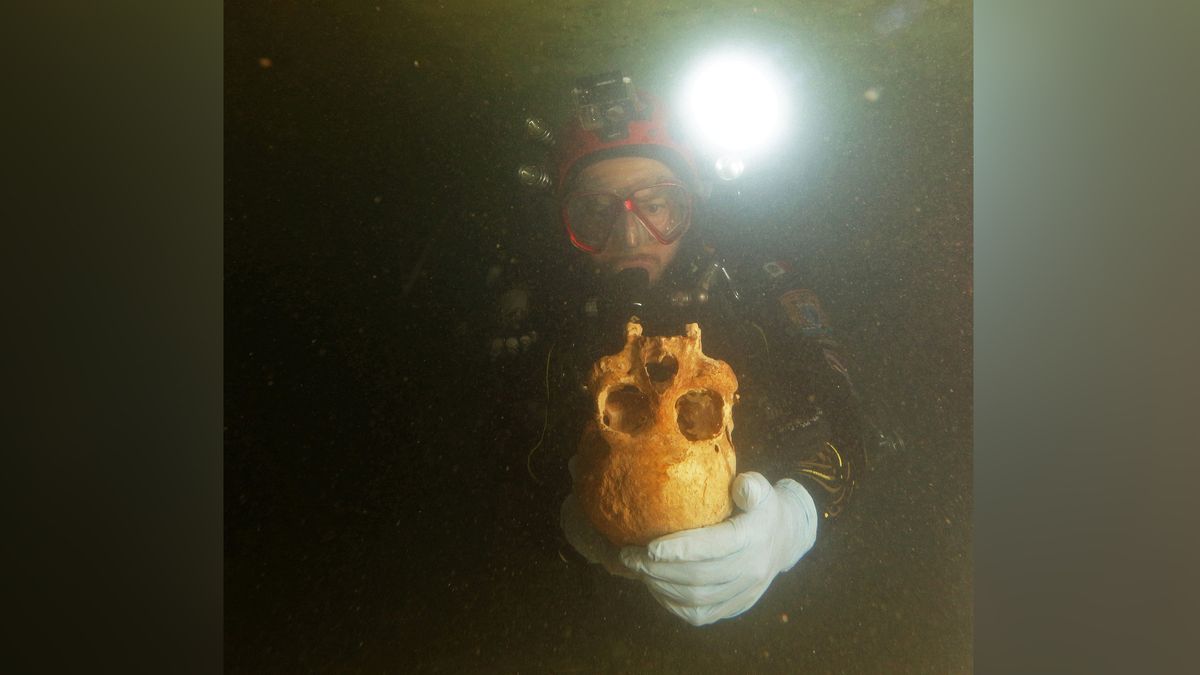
x=798 y=414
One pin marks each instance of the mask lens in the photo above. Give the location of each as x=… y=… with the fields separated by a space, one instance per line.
x=591 y=216
x=666 y=209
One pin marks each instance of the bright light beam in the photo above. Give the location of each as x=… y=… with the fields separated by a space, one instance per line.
x=734 y=105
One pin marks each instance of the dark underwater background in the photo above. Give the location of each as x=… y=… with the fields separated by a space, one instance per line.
x=370 y=152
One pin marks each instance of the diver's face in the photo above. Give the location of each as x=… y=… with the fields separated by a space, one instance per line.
x=629 y=243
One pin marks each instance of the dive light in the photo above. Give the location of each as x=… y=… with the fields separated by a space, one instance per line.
x=735 y=109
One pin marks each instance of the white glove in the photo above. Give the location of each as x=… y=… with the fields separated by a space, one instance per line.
x=717 y=572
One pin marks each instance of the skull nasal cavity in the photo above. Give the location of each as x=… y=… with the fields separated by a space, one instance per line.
x=663 y=370
x=626 y=409
x=699 y=414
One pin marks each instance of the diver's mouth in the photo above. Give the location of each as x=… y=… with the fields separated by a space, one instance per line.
x=644 y=261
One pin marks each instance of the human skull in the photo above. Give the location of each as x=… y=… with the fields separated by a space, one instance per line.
x=657 y=457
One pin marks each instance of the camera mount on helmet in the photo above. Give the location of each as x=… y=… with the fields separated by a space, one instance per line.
x=605 y=104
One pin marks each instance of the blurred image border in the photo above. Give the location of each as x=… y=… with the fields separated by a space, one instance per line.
x=1085 y=324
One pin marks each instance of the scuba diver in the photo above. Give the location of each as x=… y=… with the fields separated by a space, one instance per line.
x=628 y=195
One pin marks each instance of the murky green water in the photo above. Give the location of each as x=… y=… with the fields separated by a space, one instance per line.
x=375 y=523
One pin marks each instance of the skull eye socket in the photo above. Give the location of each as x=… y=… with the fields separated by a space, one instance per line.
x=626 y=409
x=699 y=414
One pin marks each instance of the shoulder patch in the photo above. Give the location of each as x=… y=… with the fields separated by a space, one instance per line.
x=804 y=311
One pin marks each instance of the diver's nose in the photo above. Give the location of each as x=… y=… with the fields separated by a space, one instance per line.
x=631 y=230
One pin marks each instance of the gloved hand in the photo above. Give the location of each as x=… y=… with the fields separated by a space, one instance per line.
x=717 y=572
